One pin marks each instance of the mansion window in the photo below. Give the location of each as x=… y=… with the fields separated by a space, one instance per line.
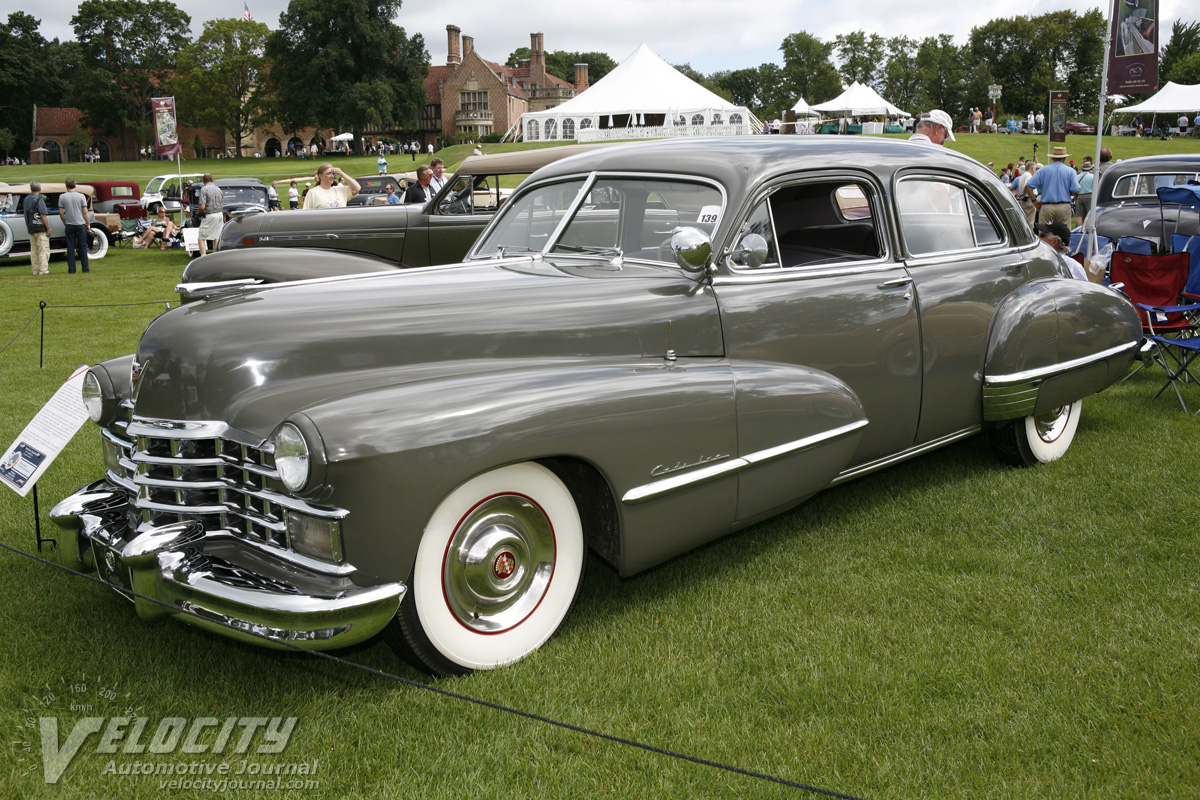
x=473 y=101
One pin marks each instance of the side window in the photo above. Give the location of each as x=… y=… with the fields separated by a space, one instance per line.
x=820 y=222
x=985 y=229
x=460 y=200
x=934 y=217
x=759 y=224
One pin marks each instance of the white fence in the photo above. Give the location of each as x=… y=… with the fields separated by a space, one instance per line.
x=662 y=132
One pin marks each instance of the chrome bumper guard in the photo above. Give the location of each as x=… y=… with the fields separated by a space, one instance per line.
x=1039 y=390
x=217 y=581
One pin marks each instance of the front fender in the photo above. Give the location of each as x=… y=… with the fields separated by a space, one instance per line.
x=1054 y=341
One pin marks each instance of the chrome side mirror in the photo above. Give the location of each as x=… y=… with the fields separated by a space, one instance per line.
x=692 y=250
x=751 y=251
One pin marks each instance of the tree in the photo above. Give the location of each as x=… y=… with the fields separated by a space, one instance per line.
x=940 y=76
x=7 y=141
x=345 y=64
x=1184 y=42
x=218 y=83
x=129 y=54
x=1187 y=69
x=862 y=58
x=900 y=79
x=30 y=73
x=562 y=63
x=807 y=70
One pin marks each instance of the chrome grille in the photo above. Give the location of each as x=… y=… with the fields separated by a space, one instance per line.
x=176 y=475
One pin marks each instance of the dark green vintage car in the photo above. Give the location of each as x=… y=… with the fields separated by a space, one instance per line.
x=650 y=347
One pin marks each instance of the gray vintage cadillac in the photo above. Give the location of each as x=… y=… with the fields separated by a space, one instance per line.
x=650 y=347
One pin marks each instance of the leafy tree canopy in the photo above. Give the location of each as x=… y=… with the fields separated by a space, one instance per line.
x=31 y=71
x=345 y=64
x=807 y=69
x=562 y=63
x=218 y=82
x=129 y=53
x=1184 y=42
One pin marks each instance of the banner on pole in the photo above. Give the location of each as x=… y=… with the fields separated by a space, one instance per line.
x=166 y=132
x=1133 y=55
x=1058 y=116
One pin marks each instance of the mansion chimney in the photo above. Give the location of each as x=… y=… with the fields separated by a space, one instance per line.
x=468 y=44
x=537 y=56
x=452 y=46
x=581 y=77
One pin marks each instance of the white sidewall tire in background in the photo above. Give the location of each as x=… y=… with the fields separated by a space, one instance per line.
x=97 y=243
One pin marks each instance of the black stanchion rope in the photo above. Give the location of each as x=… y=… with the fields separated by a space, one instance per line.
x=456 y=695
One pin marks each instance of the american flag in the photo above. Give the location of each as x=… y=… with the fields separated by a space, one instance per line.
x=246 y=13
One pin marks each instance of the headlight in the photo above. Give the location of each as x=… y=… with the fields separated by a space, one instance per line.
x=291 y=456
x=93 y=397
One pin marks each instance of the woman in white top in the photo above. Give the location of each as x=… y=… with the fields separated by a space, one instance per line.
x=293 y=196
x=325 y=194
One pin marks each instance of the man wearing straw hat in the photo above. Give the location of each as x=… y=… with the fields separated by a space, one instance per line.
x=1057 y=185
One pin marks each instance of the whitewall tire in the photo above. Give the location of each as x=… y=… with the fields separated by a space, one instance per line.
x=497 y=570
x=1038 y=439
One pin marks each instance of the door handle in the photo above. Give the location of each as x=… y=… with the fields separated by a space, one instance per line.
x=895 y=282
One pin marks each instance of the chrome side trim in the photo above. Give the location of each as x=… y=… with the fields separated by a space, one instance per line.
x=655 y=489
x=1054 y=369
x=912 y=452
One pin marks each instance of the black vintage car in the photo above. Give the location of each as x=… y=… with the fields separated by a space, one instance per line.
x=1127 y=201
x=397 y=236
x=374 y=189
x=242 y=196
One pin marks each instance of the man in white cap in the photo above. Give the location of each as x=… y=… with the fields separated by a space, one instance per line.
x=934 y=128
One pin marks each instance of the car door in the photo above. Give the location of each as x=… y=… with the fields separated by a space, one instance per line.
x=832 y=304
x=963 y=263
x=454 y=219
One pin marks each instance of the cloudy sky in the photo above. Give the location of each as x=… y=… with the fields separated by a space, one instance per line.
x=711 y=35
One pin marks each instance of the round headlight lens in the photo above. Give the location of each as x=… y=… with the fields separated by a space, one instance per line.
x=291 y=456
x=93 y=397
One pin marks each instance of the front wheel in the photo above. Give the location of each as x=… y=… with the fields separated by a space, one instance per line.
x=496 y=573
x=1039 y=438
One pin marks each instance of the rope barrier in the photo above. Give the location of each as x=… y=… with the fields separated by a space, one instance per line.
x=458 y=695
x=23 y=327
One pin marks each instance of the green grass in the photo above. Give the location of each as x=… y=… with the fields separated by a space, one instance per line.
x=947 y=628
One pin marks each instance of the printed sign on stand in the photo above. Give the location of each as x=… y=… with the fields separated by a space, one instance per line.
x=45 y=436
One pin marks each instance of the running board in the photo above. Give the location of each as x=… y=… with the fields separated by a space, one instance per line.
x=912 y=452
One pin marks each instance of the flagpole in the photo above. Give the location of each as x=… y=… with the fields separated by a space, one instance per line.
x=1089 y=222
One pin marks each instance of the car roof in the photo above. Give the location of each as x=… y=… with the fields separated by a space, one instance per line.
x=237 y=182
x=108 y=183
x=520 y=161
x=47 y=188
x=738 y=162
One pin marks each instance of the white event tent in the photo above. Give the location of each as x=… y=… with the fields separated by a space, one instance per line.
x=643 y=98
x=1174 y=98
x=859 y=100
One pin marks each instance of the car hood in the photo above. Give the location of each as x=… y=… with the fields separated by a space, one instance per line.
x=316 y=223
x=252 y=358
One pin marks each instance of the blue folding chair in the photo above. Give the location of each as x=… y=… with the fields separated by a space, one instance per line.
x=1182 y=350
x=1135 y=245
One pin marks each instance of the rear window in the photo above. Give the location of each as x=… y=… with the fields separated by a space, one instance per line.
x=122 y=191
x=1146 y=184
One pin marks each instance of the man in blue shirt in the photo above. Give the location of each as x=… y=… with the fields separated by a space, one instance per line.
x=1057 y=185
x=393 y=199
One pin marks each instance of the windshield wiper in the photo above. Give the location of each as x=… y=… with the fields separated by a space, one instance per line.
x=596 y=250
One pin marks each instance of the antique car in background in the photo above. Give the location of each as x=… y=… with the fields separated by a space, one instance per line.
x=112 y=196
x=374 y=188
x=650 y=347
x=1081 y=128
x=241 y=196
x=398 y=236
x=1126 y=201
x=14 y=237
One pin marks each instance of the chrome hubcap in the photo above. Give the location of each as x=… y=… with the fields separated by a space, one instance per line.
x=1050 y=426
x=499 y=563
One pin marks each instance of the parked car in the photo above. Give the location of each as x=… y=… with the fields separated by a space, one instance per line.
x=168 y=191
x=374 y=188
x=242 y=196
x=112 y=196
x=650 y=347
x=14 y=237
x=1127 y=203
x=440 y=232
x=1080 y=128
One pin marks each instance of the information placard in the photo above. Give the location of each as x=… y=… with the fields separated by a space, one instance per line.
x=45 y=436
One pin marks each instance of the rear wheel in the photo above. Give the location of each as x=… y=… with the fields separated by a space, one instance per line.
x=496 y=573
x=1039 y=438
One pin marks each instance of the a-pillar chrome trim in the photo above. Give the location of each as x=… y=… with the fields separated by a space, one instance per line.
x=684 y=480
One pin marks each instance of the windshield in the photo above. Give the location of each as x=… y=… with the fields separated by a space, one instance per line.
x=241 y=195
x=629 y=215
x=155 y=185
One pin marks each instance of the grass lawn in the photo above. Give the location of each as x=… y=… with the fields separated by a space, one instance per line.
x=946 y=628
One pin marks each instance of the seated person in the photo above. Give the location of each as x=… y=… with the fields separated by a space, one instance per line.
x=160 y=228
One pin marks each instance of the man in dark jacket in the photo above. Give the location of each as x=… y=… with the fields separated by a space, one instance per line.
x=37 y=222
x=420 y=192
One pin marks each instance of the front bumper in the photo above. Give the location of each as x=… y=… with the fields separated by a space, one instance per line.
x=218 y=581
